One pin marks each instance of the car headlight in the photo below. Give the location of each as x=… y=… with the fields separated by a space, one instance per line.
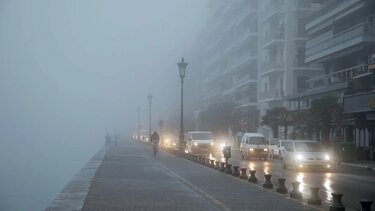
x=251 y=149
x=266 y=150
x=299 y=157
x=174 y=143
x=195 y=144
x=326 y=157
x=212 y=143
x=222 y=146
x=166 y=140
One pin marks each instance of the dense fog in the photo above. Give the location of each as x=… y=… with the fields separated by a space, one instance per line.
x=71 y=71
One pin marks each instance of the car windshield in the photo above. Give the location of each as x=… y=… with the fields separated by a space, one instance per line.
x=257 y=140
x=308 y=147
x=202 y=136
x=283 y=143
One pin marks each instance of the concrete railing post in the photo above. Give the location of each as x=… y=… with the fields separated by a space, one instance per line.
x=281 y=188
x=365 y=204
x=252 y=177
x=228 y=169
x=295 y=194
x=243 y=173
x=314 y=197
x=217 y=165
x=212 y=165
x=222 y=166
x=236 y=172
x=336 y=202
x=267 y=184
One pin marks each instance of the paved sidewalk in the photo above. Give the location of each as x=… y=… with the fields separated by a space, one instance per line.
x=129 y=178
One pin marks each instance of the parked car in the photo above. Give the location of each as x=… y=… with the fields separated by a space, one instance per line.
x=200 y=142
x=302 y=154
x=276 y=148
x=254 y=145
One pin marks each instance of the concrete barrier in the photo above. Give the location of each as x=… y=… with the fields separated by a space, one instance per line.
x=282 y=188
x=236 y=172
x=267 y=183
x=295 y=194
x=243 y=174
x=336 y=202
x=314 y=197
x=252 y=177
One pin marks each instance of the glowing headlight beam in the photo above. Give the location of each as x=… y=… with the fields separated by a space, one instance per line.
x=326 y=157
x=299 y=157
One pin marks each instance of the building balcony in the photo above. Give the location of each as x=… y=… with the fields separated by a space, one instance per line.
x=338 y=77
x=271 y=95
x=273 y=10
x=239 y=83
x=272 y=68
x=245 y=102
x=353 y=36
x=330 y=9
x=273 y=35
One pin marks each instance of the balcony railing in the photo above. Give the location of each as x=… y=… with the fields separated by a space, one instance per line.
x=337 y=39
x=271 y=8
x=273 y=35
x=332 y=6
x=272 y=65
x=341 y=76
x=271 y=94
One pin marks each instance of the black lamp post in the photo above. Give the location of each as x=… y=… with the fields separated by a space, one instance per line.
x=149 y=126
x=182 y=69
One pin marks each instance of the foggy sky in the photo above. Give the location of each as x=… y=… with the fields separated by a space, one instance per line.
x=73 y=70
x=81 y=68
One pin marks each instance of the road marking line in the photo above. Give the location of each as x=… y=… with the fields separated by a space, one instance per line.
x=208 y=196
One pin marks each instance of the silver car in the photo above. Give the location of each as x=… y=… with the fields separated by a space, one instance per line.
x=301 y=154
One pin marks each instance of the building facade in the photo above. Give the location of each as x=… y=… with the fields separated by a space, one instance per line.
x=282 y=70
x=341 y=39
x=228 y=82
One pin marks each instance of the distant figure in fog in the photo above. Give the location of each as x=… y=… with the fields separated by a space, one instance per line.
x=155 y=138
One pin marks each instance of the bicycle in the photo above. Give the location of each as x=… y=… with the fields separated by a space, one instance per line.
x=154 y=149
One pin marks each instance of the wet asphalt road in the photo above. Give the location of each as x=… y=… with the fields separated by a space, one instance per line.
x=355 y=183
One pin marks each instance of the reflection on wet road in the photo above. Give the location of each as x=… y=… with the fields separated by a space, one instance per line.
x=354 y=183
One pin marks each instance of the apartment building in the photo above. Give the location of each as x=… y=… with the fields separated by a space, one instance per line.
x=282 y=70
x=229 y=62
x=341 y=38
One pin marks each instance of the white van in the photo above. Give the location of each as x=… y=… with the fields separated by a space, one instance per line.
x=254 y=145
x=200 y=142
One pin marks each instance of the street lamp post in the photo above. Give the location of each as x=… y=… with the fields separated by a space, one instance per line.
x=182 y=69
x=149 y=128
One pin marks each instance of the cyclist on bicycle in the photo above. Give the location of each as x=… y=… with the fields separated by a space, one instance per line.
x=155 y=138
